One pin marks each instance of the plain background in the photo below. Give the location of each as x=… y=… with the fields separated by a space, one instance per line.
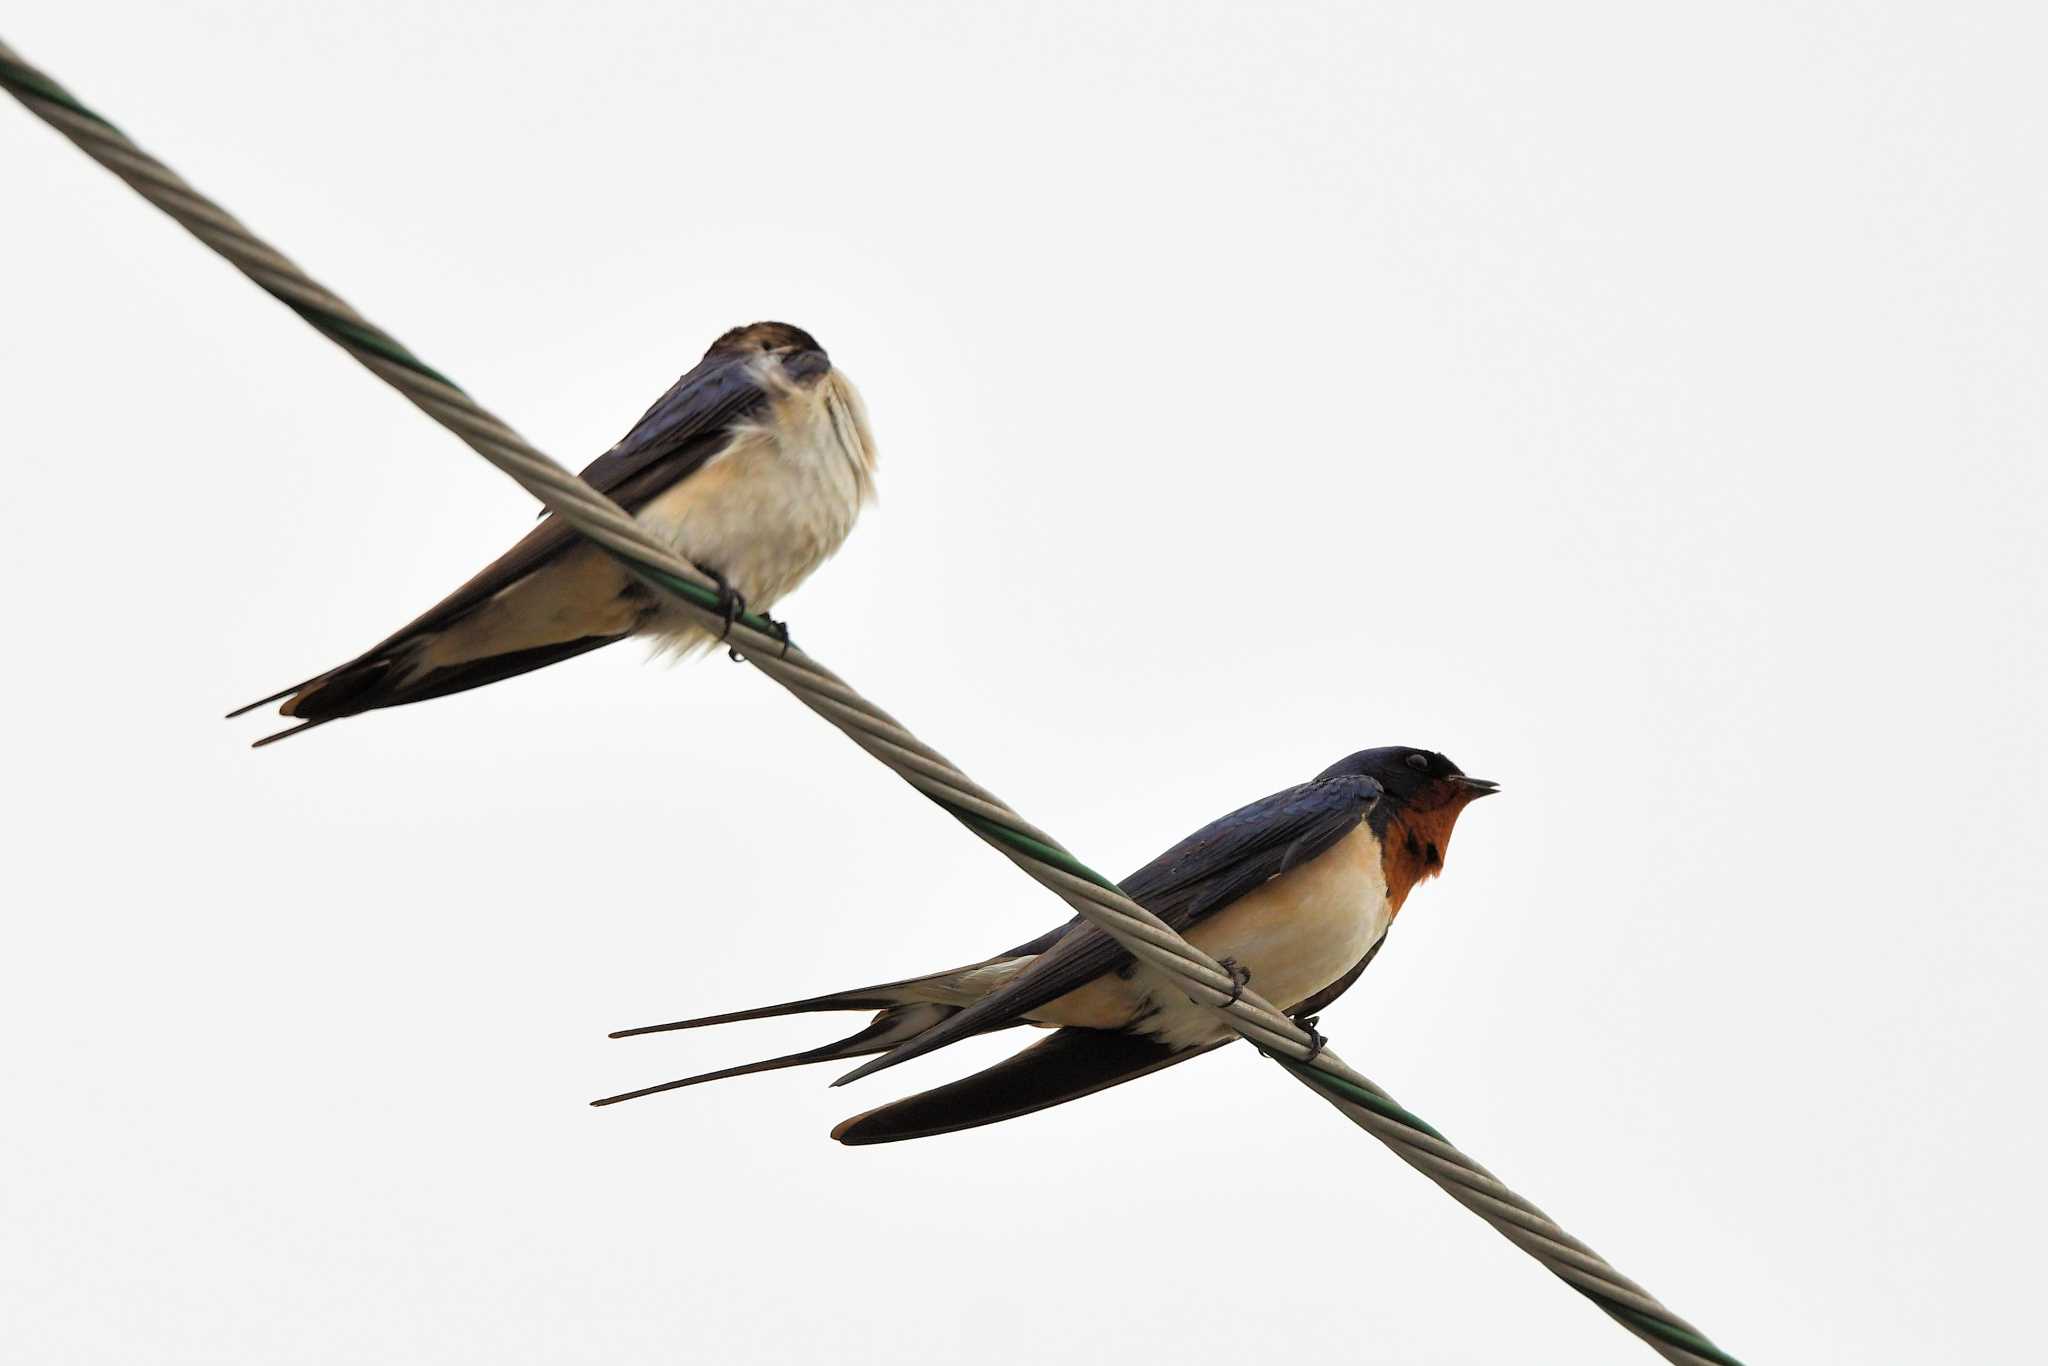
x=1641 y=403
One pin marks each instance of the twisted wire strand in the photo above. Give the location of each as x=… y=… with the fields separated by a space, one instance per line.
x=1091 y=895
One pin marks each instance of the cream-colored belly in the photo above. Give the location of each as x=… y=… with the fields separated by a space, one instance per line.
x=1297 y=934
x=772 y=506
x=765 y=511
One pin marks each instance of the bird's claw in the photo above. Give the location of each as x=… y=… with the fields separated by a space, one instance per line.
x=1317 y=1041
x=729 y=605
x=773 y=629
x=1240 y=978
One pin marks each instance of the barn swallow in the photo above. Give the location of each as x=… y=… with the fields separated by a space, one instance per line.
x=753 y=466
x=1293 y=894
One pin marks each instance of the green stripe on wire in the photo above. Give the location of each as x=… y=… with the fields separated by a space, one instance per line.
x=1657 y=1328
x=1372 y=1101
x=355 y=334
x=1017 y=839
x=20 y=79
x=32 y=86
x=1380 y=1105
x=698 y=594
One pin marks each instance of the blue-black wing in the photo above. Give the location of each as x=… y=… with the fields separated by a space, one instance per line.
x=1196 y=878
x=1068 y=1065
x=672 y=435
x=672 y=440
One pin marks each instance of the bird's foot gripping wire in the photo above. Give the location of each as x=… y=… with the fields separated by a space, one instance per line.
x=779 y=630
x=730 y=606
x=1240 y=978
x=1317 y=1042
x=770 y=627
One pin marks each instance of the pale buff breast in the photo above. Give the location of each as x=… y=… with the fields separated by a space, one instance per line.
x=1297 y=934
x=1306 y=928
x=765 y=511
x=776 y=502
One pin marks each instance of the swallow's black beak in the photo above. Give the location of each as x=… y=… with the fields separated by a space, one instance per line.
x=1476 y=787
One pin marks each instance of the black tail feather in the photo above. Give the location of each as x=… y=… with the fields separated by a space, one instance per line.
x=377 y=680
x=873 y=1039
x=375 y=692
x=850 y=1000
x=881 y=996
x=278 y=696
x=289 y=731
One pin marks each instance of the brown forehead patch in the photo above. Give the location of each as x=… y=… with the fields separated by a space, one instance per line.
x=765 y=336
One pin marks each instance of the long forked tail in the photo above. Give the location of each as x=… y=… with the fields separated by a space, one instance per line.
x=885 y=1031
x=279 y=695
x=382 y=679
x=907 y=1008
x=862 y=998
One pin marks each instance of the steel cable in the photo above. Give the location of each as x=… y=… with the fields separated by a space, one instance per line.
x=1091 y=895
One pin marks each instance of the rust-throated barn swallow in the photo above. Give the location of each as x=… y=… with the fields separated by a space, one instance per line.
x=1293 y=893
x=753 y=466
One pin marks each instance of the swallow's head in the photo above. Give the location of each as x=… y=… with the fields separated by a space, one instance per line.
x=1416 y=779
x=1423 y=794
x=801 y=358
x=788 y=362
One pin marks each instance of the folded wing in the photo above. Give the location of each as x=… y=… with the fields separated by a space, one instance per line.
x=1069 y=1064
x=1191 y=881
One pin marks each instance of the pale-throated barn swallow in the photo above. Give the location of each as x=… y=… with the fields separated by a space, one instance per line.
x=753 y=466
x=1293 y=893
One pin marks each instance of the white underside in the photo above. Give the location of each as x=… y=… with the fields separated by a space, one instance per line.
x=1297 y=934
x=773 y=505
x=765 y=511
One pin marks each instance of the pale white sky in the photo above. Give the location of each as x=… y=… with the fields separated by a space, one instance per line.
x=1640 y=403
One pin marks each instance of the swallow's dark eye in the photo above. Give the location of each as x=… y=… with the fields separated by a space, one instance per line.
x=1419 y=762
